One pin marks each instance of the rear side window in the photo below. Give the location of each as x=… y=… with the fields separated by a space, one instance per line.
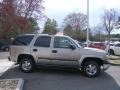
x=43 y=41
x=23 y=40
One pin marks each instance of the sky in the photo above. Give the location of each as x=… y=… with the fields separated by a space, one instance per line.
x=59 y=9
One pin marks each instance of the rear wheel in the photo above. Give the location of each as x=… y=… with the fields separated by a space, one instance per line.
x=91 y=68
x=26 y=64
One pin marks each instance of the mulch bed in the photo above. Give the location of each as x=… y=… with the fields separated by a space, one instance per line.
x=8 y=84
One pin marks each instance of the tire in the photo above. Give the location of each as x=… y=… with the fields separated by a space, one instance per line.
x=91 y=69
x=26 y=64
x=6 y=49
x=111 y=52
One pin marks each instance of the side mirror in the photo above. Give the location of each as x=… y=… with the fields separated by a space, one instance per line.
x=72 y=47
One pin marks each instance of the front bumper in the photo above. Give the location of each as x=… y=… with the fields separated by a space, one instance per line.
x=105 y=65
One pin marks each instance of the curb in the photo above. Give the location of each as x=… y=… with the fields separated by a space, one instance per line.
x=114 y=64
x=20 y=83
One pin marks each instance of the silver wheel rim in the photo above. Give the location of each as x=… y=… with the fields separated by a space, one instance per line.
x=26 y=65
x=91 y=69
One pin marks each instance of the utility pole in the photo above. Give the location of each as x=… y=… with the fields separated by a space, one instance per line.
x=87 y=23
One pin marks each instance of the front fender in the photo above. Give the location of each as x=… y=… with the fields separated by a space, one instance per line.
x=89 y=56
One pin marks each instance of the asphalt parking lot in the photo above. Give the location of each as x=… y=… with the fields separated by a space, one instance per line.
x=65 y=79
x=4 y=55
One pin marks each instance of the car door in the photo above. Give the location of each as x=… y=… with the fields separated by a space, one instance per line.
x=41 y=48
x=117 y=49
x=61 y=49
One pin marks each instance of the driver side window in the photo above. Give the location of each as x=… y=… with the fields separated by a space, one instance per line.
x=62 y=42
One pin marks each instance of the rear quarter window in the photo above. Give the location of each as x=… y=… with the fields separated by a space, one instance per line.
x=23 y=40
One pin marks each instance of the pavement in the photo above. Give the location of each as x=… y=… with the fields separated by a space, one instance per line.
x=59 y=78
x=5 y=65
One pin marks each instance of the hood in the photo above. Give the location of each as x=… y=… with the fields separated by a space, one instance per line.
x=93 y=51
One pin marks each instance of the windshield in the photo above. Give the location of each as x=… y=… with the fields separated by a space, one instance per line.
x=75 y=42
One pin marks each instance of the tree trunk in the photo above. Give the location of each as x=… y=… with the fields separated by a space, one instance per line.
x=109 y=43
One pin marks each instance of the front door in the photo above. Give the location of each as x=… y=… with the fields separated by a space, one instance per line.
x=61 y=49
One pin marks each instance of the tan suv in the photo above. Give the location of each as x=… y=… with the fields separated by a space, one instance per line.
x=31 y=50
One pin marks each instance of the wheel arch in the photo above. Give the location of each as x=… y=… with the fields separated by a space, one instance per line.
x=25 y=55
x=98 y=60
x=112 y=51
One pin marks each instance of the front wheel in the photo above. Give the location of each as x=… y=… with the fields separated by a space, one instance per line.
x=26 y=64
x=91 y=69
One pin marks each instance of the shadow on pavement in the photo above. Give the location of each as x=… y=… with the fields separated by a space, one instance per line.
x=59 y=79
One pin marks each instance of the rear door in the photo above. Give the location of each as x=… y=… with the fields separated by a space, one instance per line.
x=20 y=45
x=62 y=51
x=41 y=47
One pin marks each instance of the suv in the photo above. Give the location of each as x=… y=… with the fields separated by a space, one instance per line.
x=31 y=50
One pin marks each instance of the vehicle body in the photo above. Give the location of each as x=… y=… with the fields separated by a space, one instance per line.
x=31 y=50
x=99 y=45
x=114 y=49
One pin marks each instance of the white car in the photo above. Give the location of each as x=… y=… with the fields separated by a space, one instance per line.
x=114 y=49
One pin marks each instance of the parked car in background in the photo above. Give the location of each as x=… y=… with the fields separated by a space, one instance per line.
x=5 y=48
x=99 y=45
x=114 y=49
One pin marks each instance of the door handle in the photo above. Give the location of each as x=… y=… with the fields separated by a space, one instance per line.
x=35 y=50
x=54 y=51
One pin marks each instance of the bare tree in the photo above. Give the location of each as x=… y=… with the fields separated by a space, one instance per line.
x=78 y=21
x=74 y=25
x=109 y=20
x=29 y=8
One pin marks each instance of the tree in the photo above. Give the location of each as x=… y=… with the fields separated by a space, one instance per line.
x=15 y=16
x=50 y=27
x=98 y=33
x=108 y=20
x=33 y=24
x=78 y=23
x=117 y=23
x=77 y=20
x=68 y=30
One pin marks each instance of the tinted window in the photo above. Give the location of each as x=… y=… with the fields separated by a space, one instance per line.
x=62 y=42
x=117 y=45
x=23 y=40
x=43 y=41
